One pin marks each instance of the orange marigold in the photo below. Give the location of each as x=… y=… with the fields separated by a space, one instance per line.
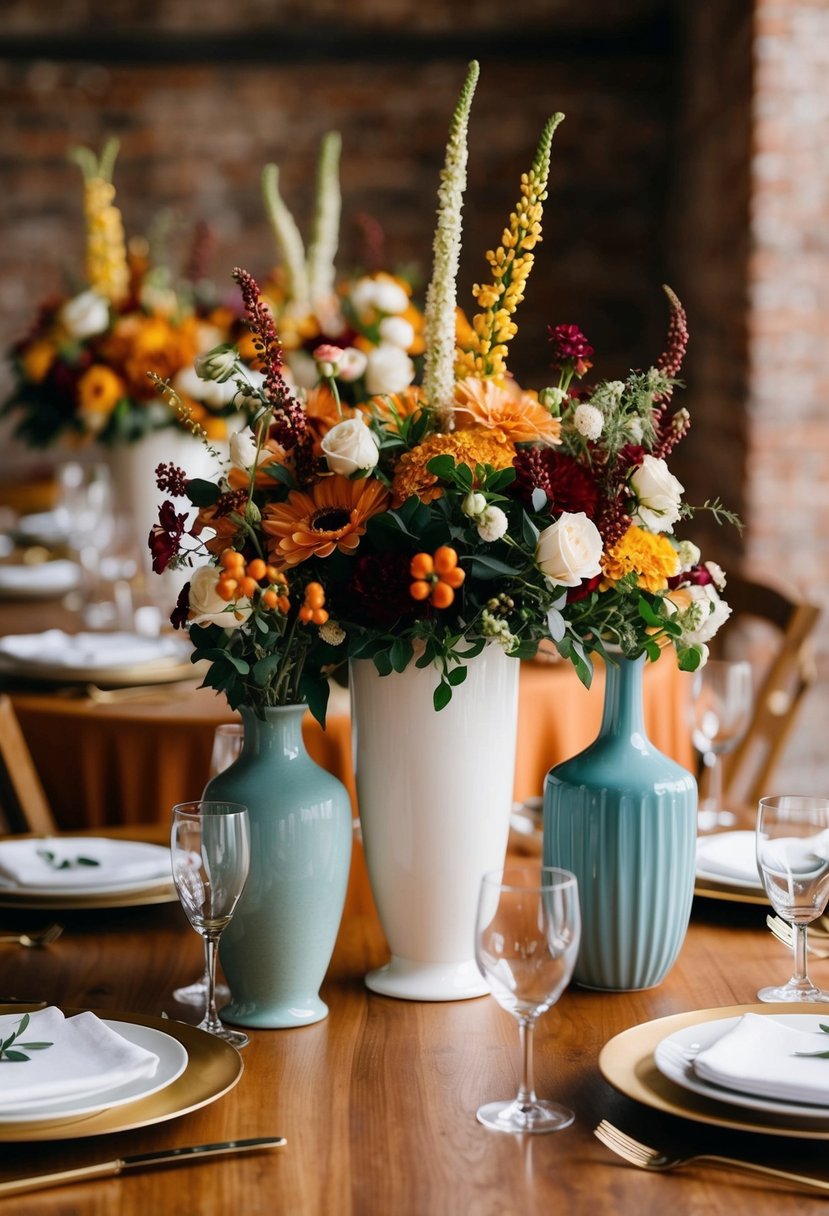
x=650 y=555
x=331 y=515
x=99 y=391
x=467 y=447
x=518 y=414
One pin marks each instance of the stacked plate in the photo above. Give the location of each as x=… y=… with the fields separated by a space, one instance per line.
x=99 y=658
x=83 y=872
x=89 y=1073
x=38 y=580
x=727 y=868
x=746 y=1067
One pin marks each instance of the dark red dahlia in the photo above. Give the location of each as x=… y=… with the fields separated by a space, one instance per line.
x=697 y=576
x=378 y=592
x=568 y=485
x=584 y=589
x=571 y=350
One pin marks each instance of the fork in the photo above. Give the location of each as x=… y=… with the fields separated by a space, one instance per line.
x=651 y=1159
x=783 y=932
x=40 y=937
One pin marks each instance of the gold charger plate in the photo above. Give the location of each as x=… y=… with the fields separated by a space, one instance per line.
x=705 y=888
x=213 y=1068
x=157 y=893
x=627 y=1063
x=165 y=671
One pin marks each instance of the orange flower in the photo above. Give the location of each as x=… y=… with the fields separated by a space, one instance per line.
x=272 y=453
x=321 y=412
x=99 y=391
x=650 y=554
x=139 y=344
x=391 y=408
x=331 y=515
x=38 y=358
x=518 y=414
x=467 y=447
x=218 y=518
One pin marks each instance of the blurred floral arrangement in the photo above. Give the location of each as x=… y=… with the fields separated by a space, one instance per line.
x=81 y=371
x=423 y=524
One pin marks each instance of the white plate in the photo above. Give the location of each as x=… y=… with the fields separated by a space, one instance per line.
x=111 y=886
x=172 y=1061
x=674 y=1055
x=43 y=580
x=710 y=843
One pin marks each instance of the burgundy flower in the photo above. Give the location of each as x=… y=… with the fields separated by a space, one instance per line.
x=697 y=576
x=171 y=479
x=165 y=536
x=571 y=350
x=584 y=589
x=178 y=617
x=568 y=485
x=378 y=592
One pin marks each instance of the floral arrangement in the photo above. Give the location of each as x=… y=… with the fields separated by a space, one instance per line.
x=81 y=372
x=422 y=525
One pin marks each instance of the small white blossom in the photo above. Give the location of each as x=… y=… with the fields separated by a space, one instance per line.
x=242 y=446
x=717 y=574
x=474 y=504
x=492 y=524
x=352 y=365
x=389 y=370
x=384 y=295
x=588 y=421
x=332 y=633
x=658 y=494
x=398 y=331
x=85 y=315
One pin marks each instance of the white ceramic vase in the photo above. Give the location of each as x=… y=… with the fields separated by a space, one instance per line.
x=435 y=792
x=137 y=497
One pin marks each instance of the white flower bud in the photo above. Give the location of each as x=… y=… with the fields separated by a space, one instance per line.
x=218 y=364
x=85 y=315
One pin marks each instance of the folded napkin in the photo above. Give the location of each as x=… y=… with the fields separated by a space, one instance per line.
x=86 y=1057
x=40 y=576
x=55 y=861
x=88 y=649
x=758 y=1056
x=47 y=526
x=729 y=855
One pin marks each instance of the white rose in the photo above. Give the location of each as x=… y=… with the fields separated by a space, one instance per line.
x=588 y=421
x=352 y=365
x=382 y=294
x=350 y=447
x=242 y=447
x=569 y=550
x=397 y=331
x=85 y=315
x=389 y=370
x=211 y=393
x=218 y=364
x=207 y=608
x=658 y=494
x=704 y=616
x=492 y=524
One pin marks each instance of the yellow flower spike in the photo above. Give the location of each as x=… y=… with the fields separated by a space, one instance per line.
x=107 y=270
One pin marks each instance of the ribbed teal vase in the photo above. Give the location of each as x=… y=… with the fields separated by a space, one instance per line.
x=276 y=950
x=623 y=817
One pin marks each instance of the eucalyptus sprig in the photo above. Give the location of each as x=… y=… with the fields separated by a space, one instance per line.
x=14 y=1055
x=820 y=1055
x=68 y=863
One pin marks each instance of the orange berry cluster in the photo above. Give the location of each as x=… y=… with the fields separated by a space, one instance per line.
x=238 y=579
x=436 y=576
x=312 y=611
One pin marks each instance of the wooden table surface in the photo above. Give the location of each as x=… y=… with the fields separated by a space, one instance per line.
x=378 y=1101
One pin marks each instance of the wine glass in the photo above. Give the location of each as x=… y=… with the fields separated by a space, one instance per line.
x=210 y=845
x=526 y=942
x=85 y=514
x=793 y=861
x=227 y=743
x=720 y=711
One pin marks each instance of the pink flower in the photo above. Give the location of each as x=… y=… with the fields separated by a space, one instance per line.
x=327 y=358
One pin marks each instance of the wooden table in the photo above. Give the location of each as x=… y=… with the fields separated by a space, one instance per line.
x=378 y=1101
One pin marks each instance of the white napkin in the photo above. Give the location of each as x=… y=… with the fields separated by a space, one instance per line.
x=88 y=649
x=48 y=526
x=86 y=1057
x=757 y=1056
x=40 y=576
x=25 y=862
x=729 y=855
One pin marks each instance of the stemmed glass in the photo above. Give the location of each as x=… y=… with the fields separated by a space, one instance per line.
x=526 y=942
x=720 y=711
x=85 y=511
x=210 y=844
x=227 y=743
x=793 y=861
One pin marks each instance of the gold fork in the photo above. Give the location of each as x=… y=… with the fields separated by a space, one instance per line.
x=651 y=1159
x=40 y=937
x=783 y=932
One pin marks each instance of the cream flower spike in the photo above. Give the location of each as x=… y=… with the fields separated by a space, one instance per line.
x=288 y=242
x=325 y=233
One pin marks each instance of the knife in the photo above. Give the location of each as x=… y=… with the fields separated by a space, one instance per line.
x=139 y=1161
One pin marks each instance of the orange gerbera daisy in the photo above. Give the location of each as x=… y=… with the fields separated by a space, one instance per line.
x=331 y=515
x=393 y=407
x=99 y=391
x=467 y=447
x=649 y=554
x=518 y=414
x=322 y=413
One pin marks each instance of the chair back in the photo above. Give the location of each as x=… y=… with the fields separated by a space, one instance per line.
x=786 y=671
x=23 y=803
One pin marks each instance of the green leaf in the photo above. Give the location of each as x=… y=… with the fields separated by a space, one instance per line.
x=382 y=661
x=35 y=1046
x=278 y=472
x=456 y=676
x=483 y=566
x=400 y=654
x=539 y=499
x=442 y=466
x=24 y=1022
x=463 y=476
x=647 y=613
x=264 y=668
x=442 y=696
x=556 y=625
x=529 y=532
x=10 y=1054
x=314 y=691
x=202 y=493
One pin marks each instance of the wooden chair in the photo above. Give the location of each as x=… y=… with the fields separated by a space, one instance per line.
x=23 y=803
x=784 y=666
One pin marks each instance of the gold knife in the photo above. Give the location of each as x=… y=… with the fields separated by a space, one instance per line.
x=139 y=1161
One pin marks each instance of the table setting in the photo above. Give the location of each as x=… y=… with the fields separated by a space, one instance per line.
x=82 y=872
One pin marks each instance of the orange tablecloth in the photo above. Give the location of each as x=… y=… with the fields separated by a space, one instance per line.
x=130 y=762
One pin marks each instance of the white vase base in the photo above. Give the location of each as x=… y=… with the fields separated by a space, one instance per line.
x=410 y=980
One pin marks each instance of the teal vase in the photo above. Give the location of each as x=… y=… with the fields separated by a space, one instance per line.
x=623 y=818
x=276 y=950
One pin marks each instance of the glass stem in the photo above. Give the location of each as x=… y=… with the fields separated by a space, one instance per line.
x=211 y=1014
x=799 y=949
x=526 y=1094
x=715 y=782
